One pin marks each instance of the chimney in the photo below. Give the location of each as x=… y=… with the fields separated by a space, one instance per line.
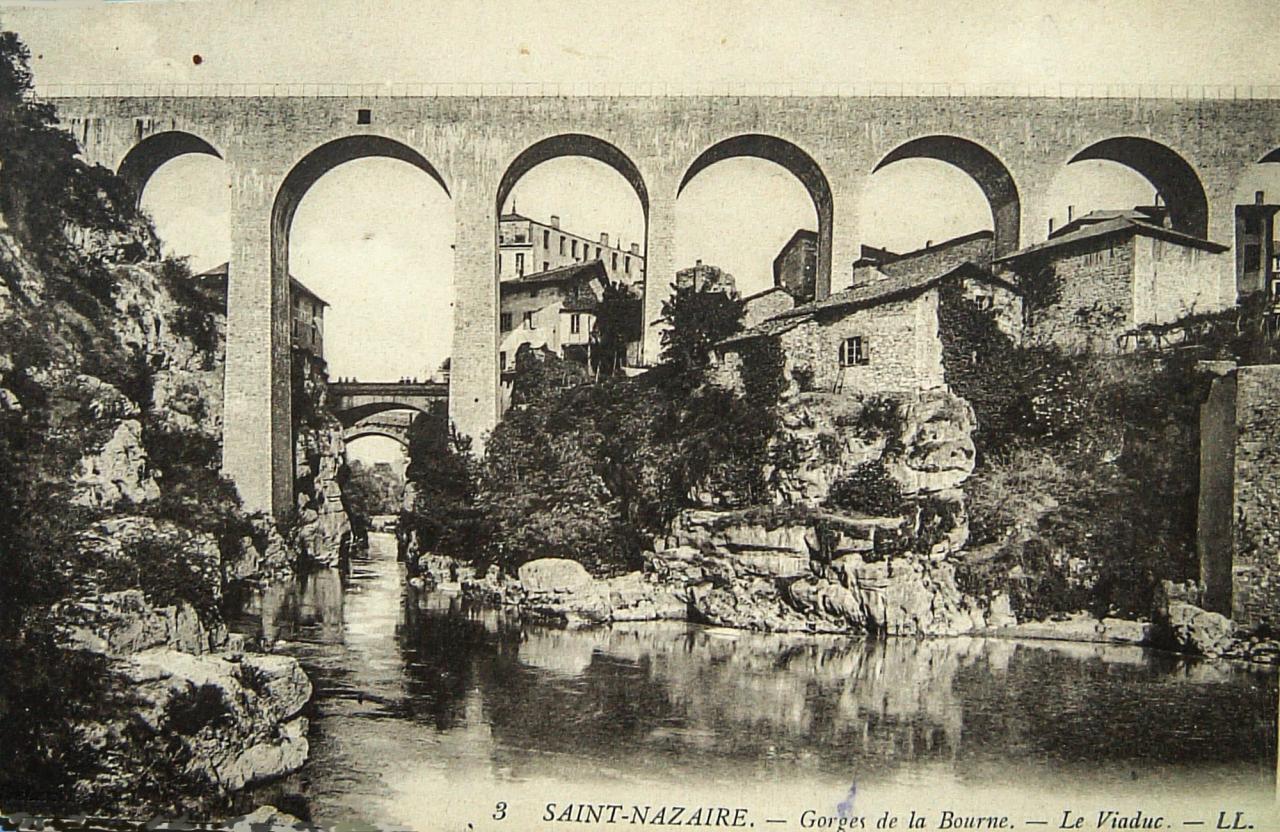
x=697 y=264
x=1071 y=212
x=604 y=238
x=635 y=248
x=555 y=221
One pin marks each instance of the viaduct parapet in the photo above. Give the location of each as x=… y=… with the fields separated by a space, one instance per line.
x=1194 y=152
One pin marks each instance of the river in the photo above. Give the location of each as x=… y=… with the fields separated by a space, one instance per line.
x=429 y=712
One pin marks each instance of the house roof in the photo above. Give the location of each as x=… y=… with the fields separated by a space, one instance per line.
x=910 y=275
x=764 y=292
x=572 y=273
x=1113 y=222
x=514 y=217
x=221 y=271
x=801 y=234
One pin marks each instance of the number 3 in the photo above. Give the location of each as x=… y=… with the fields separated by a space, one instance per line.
x=500 y=810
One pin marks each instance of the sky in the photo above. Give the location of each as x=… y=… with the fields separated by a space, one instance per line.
x=386 y=267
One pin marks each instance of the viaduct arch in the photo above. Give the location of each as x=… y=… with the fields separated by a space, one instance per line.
x=1168 y=172
x=984 y=168
x=795 y=160
x=151 y=153
x=275 y=146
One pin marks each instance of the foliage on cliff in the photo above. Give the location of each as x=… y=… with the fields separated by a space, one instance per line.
x=77 y=366
x=592 y=472
x=1085 y=493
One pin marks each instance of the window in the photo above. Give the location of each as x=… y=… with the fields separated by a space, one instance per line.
x=519 y=264
x=528 y=320
x=984 y=301
x=502 y=360
x=364 y=116
x=573 y=247
x=575 y=323
x=545 y=265
x=597 y=252
x=627 y=265
x=562 y=244
x=505 y=318
x=546 y=239
x=615 y=261
x=499 y=263
x=854 y=351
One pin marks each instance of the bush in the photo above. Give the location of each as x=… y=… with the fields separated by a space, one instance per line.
x=869 y=489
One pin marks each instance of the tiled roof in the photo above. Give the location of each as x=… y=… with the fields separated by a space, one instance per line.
x=776 y=325
x=1122 y=223
x=220 y=272
x=571 y=273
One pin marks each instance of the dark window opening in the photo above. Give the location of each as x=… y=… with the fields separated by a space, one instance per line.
x=854 y=351
x=364 y=116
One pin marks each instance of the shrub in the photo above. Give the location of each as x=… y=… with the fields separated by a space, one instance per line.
x=868 y=488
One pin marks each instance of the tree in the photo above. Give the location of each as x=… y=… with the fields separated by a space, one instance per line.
x=618 y=322
x=442 y=480
x=696 y=321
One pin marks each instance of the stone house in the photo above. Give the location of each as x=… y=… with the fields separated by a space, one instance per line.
x=306 y=308
x=764 y=305
x=882 y=335
x=554 y=309
x=1106 y=275
x=795 y=269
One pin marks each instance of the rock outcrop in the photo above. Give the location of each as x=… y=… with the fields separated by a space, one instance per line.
x=118 y=472
x=323 y=532
x=223 y=722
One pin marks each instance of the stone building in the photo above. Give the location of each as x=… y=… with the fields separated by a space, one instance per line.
x=554 y=310
x=764 y=305
x=795 y=269
x=882 y=334
x=527 y=246
x=1256 y=258
x=1109 y=273
x=704 y=277
x=1238 y=533
x=306 y=309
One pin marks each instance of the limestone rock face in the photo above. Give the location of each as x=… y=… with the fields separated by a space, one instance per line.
x=121 y=623
x=925 y=440
x=118 y=472
x=108 y=541
x=937 y=437
x=238 y=721
x=324 y=528
x=903 y=596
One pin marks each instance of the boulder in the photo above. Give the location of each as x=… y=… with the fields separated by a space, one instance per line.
x=1199 y=631
x=553 y=575
x=266 y=819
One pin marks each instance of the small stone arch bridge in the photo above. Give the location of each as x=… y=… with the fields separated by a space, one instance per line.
x=387 y=409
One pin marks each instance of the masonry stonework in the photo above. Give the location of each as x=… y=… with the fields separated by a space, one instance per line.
x=1094 y=296
x=1256 y=566
x=471 y=141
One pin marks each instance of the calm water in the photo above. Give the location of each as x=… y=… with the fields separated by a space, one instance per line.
x=428 y=712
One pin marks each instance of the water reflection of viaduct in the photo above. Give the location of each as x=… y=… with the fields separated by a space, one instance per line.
x=1194 y=152
x=386 y=409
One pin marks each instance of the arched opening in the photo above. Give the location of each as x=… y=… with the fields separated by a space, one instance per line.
x=1256 y=202
x=1092 y=185
x=366 y=253
x=983 y=167
x=573 y=213
x=148 y=155
x=189 y=201
x=919 y=202
x=1175 y=181
x=781 y=223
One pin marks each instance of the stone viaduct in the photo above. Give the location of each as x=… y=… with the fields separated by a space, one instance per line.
x=1193 y=151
